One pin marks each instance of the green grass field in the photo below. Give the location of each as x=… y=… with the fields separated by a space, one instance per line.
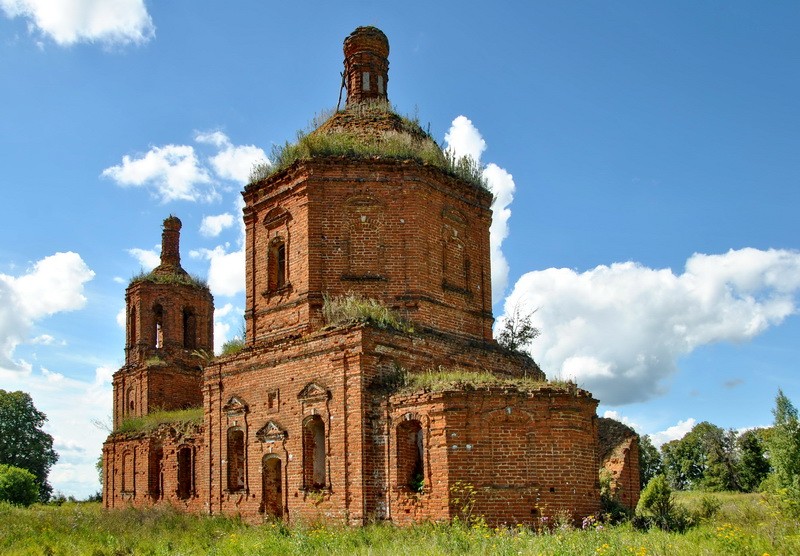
x=744 y=524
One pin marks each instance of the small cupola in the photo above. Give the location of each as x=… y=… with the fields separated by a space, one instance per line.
x=366 y=65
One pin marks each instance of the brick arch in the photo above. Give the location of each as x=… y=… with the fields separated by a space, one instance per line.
x=236 y=459
x=315 y=453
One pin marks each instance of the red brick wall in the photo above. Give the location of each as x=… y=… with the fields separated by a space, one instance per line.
x=401 y=232
x=623 y=463
x=523 y=456
x=143 y=470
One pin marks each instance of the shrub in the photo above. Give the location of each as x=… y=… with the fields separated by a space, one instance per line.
x=232 y=346
x=657 y=507
x=17 y=486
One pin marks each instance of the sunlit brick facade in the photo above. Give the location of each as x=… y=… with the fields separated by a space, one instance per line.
x=305 y=421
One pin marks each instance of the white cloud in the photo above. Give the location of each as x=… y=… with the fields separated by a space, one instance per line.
x=177 y=173
x=212 y=226
x=618 y=330
x=223 y=323
x=464 y=139
x=54 y=284
x=675 y=432
x=172 y=172
x=148 y=258
x=226 y=270
x=44 y=340
x=110 y=22
x=501 y=184
x=120 y=318
x=231 y=162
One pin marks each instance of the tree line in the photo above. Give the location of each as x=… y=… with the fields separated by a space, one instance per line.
x=714 y=459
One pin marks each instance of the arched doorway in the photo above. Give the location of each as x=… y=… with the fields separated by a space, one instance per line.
x=271 y=486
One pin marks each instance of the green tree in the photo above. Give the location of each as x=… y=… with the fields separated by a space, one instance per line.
x=17 y=486
x=753 y=464
x=649 y=460
x=783 y=447
x=517 y=330
x=657 y=505
x=23 y=443
x=721 y=461
x=684 y=462
x=704 y=458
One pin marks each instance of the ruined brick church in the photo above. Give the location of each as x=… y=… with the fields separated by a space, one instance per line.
x=309 y=419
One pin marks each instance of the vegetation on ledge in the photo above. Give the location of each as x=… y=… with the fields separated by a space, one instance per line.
x=410 y=142
x=147 y=423
x=171 y=279
x=352 y=308
x=442 y=378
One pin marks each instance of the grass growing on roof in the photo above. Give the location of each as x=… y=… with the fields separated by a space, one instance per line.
x=171 y=279
x=445 y=378
x=352 y=307
x=410 y=143
x=150 y=422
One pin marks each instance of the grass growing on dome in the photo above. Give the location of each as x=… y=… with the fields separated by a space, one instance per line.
x=151 y=421
x=170 y=279
x=410 y=143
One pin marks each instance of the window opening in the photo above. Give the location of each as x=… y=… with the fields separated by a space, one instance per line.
x=158 y=313
x=314 y=453
x=277 y=264
x=132 y=326
x=380 y=84
x=155 y=474
x=365 y=81
x=189 y=329
x=235 y=459
x=410 y=460
x=185 y=472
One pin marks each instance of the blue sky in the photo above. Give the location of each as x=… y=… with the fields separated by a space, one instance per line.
x=644 y=156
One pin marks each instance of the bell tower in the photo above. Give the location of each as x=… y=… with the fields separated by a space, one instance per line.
x=169 y=330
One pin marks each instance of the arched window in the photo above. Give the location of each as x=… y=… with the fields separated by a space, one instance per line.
x=276 y=264
x=155 y=474
x=189 y=329
x=158 y=317
x=410 y=460
x=235 y=459
x=185 y=472
x=132 y=327
x=314 y=460
x=131 y=398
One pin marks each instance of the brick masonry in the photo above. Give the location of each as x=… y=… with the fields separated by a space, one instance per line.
x=306 y=421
